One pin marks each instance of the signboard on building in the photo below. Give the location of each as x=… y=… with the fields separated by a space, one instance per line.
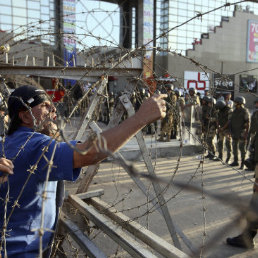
x=225 y=83
x=252 y=41
x=69 y=8
x=198 y=80
x=248 y=83
x=148 y=30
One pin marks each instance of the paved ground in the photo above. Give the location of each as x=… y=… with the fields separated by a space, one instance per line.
x=186 y=208
x=198 y=215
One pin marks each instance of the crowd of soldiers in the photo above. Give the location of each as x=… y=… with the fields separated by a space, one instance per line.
x=222 y=119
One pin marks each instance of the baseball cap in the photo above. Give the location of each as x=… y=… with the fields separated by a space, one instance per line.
x=25 y=96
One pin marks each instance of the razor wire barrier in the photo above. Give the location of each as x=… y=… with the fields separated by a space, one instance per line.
x=122 y=66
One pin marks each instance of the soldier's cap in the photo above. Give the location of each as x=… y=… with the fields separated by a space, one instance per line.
x=24 y=97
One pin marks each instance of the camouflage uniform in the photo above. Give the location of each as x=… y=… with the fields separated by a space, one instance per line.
x=209 y=129
x=167 y=122
x=224 y=116
x=246 y=238
x=179 y=107
x=111 y=104
x=239 y=126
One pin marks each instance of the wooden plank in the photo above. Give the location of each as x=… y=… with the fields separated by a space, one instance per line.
x=154 y=241
x=133 y=247
x=80 y=238
x=95 y=101
x=91 y=171
x=73 y=73
x=90 y=194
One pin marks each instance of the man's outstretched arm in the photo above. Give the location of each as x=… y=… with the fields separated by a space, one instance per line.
x=151 y=110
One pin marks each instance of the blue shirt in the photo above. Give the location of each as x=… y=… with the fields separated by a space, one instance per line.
x=22 y=230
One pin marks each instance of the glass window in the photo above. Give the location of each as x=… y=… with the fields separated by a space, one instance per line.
x=32 y=21
x=44 y=2
x=182 y=12
x=19 y=12
x=44 y=17
x=5 y=19
x=5 y=27
x=19 y=3
x=44 y=9
x=8 y=2
x=33 y=14
x=33 y=5
x=19 y=21
x=190 y=7
x=5 y=10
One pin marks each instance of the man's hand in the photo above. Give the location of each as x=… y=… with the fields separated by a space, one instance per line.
x=6 y=167
x=152 y=109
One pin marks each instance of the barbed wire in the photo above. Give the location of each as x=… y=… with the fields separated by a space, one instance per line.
x=135 y=53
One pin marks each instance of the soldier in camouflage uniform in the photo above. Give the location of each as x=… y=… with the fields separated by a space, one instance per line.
x=249 y=163
x=209 y=127
x=111 y=104
x=224 y=116
x=254 y=118
x=239 y=126
x=167 y=122
x=246 y=239
x=180 y=103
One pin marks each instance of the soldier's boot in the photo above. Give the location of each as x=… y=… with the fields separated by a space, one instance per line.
x=234 y=163
x=168 y=137
x=161 y=138
x=208 y=156
x=212 y=156
x=219 y=158
x=242 y=164
x=228 y=158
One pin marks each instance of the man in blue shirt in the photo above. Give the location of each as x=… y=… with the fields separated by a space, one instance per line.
x=28 y=199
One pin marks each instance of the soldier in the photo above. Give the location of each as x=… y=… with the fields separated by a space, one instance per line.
x=111 y=103
x=192 y=106
x=167 y=122
x=227 y=97
x=224 y=116
x=246 y=239
x=210 y=117
x=133 y=99
x=180 y=103
x=249 y=163
x=239 y=126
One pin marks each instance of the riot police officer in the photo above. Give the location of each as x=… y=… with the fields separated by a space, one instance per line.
x=239 y=127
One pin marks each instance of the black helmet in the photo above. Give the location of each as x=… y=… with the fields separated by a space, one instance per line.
x=169 y=86
x=220 y=104
x=211 y=100
x=240 y=100
x=178 y=92
x=142 y=90
x=206 y=98
x=192 y=90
